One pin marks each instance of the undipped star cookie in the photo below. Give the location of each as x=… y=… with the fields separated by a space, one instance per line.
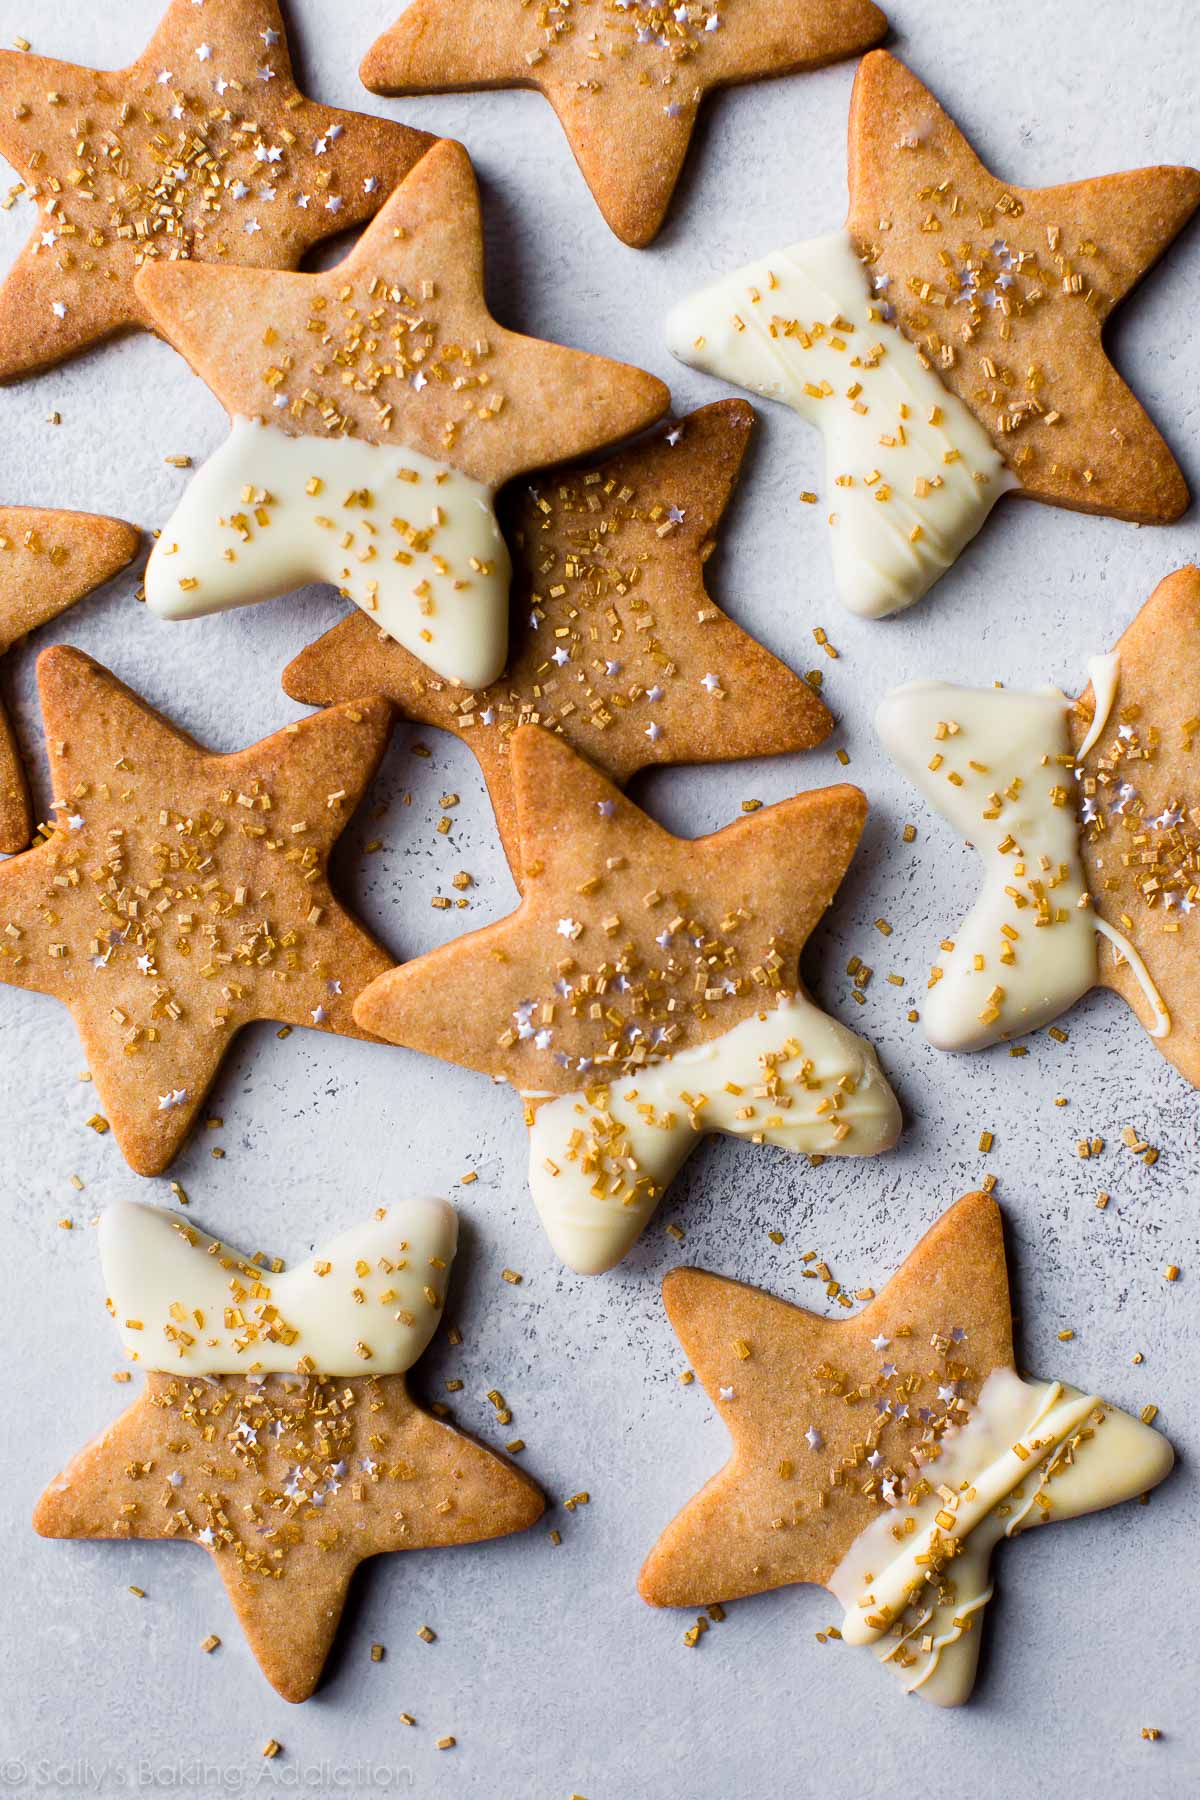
x=646 y=992
x=1086 y=817
x=885 y=1456
x=376 y=409
x=48 y=561
x=274 y=1429
x=181 y=894
x=626 y=77
x=948 y=342
x=613 y=640
x=203 y=149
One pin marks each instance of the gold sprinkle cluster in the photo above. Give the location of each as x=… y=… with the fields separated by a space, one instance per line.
x=990 y=275
x=861 y=1417
x=622 y=999
x=122 y=181
x=254 y=1470
x=374 y=350
x=586 y=548
x=644 y=45
x=1147 y=859
x=151 y=902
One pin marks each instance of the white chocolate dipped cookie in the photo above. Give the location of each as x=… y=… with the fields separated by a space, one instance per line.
x=646 y=993
x=274 y=1429
x=947 y=343
x=886 y=1455
x=1084 y=816
x=376 y=410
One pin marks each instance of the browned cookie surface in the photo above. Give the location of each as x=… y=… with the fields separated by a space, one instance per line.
x=826 y=1413
x=204 y=148
x=289 y=1484
x=629 y=944
x=395 y=345
x=626 y=82
x=1007 y=289
x=182 y=894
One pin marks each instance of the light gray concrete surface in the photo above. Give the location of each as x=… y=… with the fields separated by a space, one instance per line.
x=549 y=1670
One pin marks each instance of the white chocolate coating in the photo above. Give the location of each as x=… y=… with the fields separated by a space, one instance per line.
x=185 y=1303
x=911 y=474
x=413 y=542
x=997 y=764
x=832 y=1099
x=1073 y=1454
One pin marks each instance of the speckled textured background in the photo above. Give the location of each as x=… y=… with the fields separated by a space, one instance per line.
x=551 y=1673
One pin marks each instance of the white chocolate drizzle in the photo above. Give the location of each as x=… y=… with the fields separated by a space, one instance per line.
x=601 y=1159
x=366 y=1303
x=911 y=475
x=1104 y=673
x=411 y=541
x=1141 y=974
x=1030 y=1453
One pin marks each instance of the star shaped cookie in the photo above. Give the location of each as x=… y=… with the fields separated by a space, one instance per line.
x=1085 y=819
x=182 y=894
x=376 y=409
x=949 y=342
x=288 y=1482
x=626 y=79
x=203 y=149
x=48 y=561
x=646 y=992
x=614 y=642
x=885 y=1455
